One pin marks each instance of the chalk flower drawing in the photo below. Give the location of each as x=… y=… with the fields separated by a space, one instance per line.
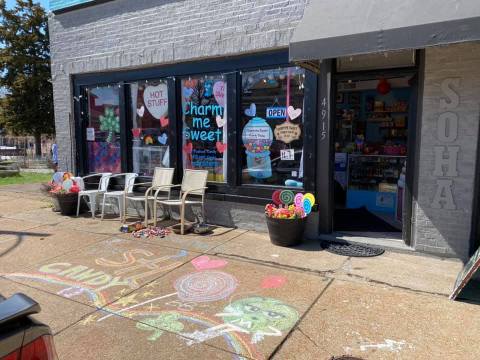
x=164 y=322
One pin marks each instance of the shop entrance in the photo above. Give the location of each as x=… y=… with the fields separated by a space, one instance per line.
x=372 y=120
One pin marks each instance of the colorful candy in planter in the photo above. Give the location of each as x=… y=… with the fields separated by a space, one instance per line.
x=295 y=206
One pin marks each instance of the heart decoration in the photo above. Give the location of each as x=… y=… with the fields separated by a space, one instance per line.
x=162 y=139
x=187 y=148
x=164 y=121
x=136 y=132
x=251 y=111
x=205 y=263
x=155 y=99
x=293 y=113
x=187 y=92
x=273 y=282
x=219 y=92
x=220 y=121
x=141 y=111
x=221 y=147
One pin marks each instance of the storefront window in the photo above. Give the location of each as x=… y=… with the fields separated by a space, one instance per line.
x=204 y=114
x=272 y=127
x=103 y=130
x=150 y=135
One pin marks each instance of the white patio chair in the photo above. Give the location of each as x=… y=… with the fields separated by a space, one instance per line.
x=193 y=183
x=94 y=193
x=160 y=184
x=119 y=194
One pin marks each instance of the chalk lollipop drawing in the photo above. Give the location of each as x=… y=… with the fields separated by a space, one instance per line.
x=201 y=286
x=205 y=286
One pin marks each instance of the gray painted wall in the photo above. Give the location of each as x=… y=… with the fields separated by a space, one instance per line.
x=125 y=34
x=451 y=111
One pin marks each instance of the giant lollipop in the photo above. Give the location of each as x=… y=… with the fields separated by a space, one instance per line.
x=276 y=197
x=287 y=197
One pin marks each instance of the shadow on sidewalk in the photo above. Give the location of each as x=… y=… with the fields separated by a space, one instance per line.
x=20 y=238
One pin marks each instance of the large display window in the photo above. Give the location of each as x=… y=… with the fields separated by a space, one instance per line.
x=204 y=134
x=103 y=130
x=272 y=127
x=150 y=126
x=244 y=126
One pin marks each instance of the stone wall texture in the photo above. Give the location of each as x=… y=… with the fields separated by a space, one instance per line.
x=450 y=123
x=125 y=34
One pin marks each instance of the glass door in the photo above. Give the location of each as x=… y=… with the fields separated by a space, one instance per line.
x=103 y=130
x=150 y=142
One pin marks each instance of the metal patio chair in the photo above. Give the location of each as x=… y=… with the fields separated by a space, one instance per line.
x=193 y=184
x=119 y=194
x=94 y=193
x=160 y=188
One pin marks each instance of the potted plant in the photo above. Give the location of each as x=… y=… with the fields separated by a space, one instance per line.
x=64 y=193
x=287 y=216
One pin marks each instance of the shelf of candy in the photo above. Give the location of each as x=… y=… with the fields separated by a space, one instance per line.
x=368 y=172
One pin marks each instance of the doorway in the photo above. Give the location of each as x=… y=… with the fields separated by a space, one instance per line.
x=372 y=118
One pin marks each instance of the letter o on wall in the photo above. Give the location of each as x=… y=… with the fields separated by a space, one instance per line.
x=447 y=129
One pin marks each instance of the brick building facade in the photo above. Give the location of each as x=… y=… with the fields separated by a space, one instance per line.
x=123 y=36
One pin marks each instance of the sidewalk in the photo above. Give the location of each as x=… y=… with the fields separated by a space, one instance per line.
x=228 y=295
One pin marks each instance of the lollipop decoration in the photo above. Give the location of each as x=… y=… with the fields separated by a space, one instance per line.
x=287 y=197
x=287 y=205
x=276 y=197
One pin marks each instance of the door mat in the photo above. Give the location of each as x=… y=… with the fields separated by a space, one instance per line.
x=360 y=220
x=353 y=250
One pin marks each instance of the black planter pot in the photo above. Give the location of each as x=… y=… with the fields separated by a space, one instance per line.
x=286 y=232
x=67 y=203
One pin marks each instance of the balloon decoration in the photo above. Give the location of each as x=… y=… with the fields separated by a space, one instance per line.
x=383 y=87
x=110 y=122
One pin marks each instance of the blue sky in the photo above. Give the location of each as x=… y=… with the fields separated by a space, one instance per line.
x=43 y=2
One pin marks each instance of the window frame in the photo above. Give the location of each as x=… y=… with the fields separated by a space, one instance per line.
x=233 y=68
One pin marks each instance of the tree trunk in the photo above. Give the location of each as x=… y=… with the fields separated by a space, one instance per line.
x=38 y=144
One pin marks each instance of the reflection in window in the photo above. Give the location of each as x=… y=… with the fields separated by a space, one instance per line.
x=272 y=127
x=204 y=111
x=150 y=142
x=103 y=130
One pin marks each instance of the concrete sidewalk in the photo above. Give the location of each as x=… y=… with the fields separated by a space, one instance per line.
x=230 y=294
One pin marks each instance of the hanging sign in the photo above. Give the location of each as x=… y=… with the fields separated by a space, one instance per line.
x=219 y=92
x=287 y=132
x=156 y=100
x=287 y=154
x=276 y=112
x=90 y=134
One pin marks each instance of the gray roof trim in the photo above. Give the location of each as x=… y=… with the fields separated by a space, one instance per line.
x=304 y=46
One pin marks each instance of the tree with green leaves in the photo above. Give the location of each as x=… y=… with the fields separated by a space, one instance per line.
x=27 y=107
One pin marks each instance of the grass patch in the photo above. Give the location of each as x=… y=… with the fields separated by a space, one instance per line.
x=26 y=178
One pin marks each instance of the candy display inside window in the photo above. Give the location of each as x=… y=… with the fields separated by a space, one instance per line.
x=204 y=113
x=150 y=130
x=103 y=130
x=272 y=127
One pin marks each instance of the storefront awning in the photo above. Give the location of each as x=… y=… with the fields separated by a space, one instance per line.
x=331 y=29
